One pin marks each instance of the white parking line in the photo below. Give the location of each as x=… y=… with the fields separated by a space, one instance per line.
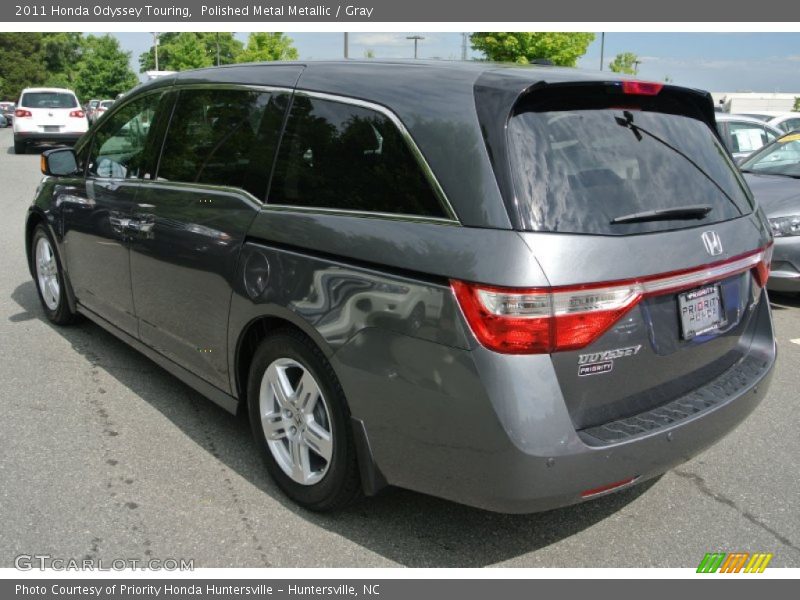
x=795 y=341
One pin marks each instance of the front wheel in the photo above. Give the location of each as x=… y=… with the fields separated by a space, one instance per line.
x=50 y=278
x=301 y=422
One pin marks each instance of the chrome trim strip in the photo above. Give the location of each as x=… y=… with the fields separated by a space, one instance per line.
x=359 y=213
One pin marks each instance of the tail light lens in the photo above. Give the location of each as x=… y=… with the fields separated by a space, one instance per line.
x=77 y=114
x=21 y=113
x=554 y=319
x=761 y=272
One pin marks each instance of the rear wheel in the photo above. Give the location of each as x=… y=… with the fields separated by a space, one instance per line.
x=301 y=423
x=19 y=147
x=50 y=278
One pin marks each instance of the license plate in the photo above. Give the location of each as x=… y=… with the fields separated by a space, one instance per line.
x=52 y=128
x=700 y=311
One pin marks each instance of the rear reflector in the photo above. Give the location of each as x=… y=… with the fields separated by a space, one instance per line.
x=77 y=113
x=608 y=488
x=554 y=319
x=641 y=88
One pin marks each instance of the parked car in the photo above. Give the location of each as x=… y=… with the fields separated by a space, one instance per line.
x=516 y=288
x=773 y=174
x=744 y=135
x=785 y=121
x=47 y=115
x=7 y=110
x=101 y=108
x=90 y=107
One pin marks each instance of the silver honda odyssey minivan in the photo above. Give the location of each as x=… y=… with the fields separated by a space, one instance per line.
x=513 y=287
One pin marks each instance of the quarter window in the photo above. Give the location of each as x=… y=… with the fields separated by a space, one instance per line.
x=119 y=149
x=223 y=137
x=347 y=157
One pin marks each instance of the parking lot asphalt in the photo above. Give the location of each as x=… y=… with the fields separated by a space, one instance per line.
x=105 y=455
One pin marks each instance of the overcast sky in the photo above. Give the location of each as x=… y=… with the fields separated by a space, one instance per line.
x=721 y=62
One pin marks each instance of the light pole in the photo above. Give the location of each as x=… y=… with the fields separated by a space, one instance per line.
x=636 y=64
x=155 y=47
x=602 y=48
x=346 y=45
x=416 y=39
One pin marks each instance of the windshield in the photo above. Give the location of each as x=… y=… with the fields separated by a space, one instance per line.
x=779 y=158
x=48 y=100
x=579 y=171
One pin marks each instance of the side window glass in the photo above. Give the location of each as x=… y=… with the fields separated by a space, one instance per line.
x=747 y=137
x=119 y=147
x=347 y=157
x=223 y=137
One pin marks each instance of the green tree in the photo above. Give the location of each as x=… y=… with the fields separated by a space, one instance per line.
x=624 y=62
x=177 y=51
x=103 y=71
x=266 y=46
x=796 y=104
x=62 y=53
x=21 y=62
x=523 y=47
x=186 y=51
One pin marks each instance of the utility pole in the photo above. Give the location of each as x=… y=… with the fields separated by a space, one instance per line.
x=636 y=64
x=464 y=46
x=346 y=45
x=602 y=48
x=155 y=47
x=416 y=39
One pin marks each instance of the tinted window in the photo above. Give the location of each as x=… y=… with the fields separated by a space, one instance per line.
x=223 y=137
x=48 y=100
x=748 y=137
x=119 y=149
x=336 y=155
x=577 y=170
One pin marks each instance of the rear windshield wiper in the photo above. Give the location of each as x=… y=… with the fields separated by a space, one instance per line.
x=638 y=130
x=665 y=214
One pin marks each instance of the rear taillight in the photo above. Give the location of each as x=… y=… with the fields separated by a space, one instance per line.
x=79 y=114
x=22 y=113
x=554 y=319
x=761 y=272
x=641 y=88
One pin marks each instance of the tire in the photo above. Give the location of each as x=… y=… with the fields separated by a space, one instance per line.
x=19 y=147
x=49 y=278
x=313 y=481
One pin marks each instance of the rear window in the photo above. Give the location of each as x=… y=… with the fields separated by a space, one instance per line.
x=107 y=103
x=580 y=163
x=48 y=100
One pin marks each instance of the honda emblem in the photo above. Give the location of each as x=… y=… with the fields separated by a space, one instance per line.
x=712 y=243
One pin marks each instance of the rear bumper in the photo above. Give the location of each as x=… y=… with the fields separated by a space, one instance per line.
x=37 y=137
x=785 y=273
x=493 y=431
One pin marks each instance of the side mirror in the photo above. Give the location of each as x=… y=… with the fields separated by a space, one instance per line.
x=59 y=162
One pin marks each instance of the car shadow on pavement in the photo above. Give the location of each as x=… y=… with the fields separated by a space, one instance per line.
x=409 y=528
